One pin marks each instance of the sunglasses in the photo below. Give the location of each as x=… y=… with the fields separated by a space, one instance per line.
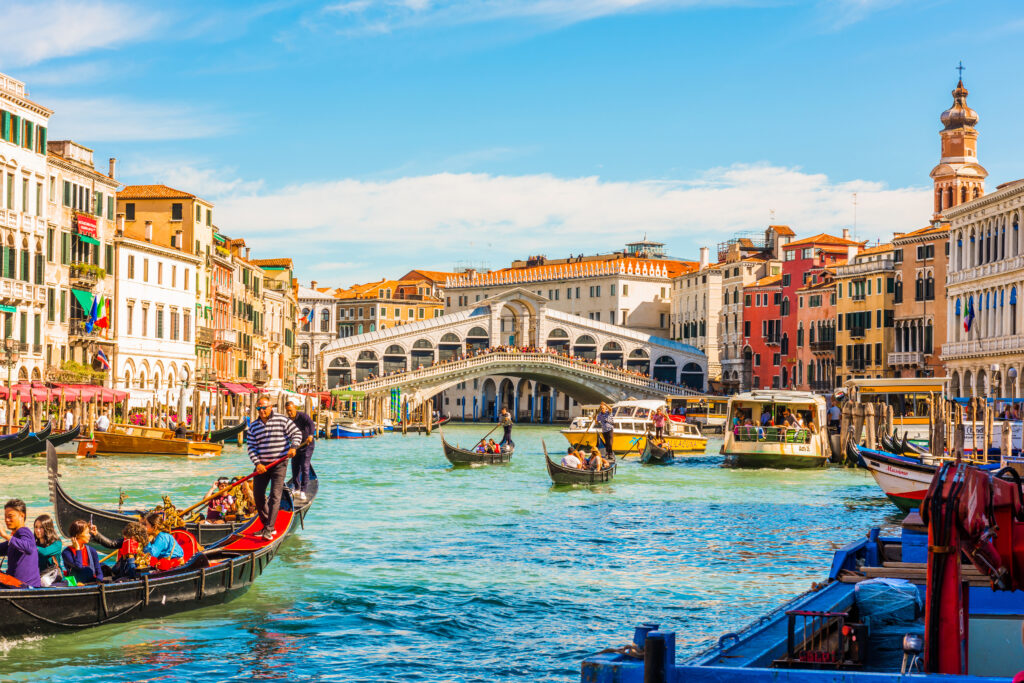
x=262 y=407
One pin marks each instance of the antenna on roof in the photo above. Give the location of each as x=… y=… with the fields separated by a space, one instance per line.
x=854 y=215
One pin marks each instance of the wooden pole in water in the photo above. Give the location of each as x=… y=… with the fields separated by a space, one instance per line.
x=430 y=415
x=869 y=425
x=974 y=430
x=1004 y=442
x=958 y=442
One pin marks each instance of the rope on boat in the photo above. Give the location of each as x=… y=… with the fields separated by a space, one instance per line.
x=69 y=625
x=630 y=650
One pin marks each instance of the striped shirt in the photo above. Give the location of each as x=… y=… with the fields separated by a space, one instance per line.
x=270 y=440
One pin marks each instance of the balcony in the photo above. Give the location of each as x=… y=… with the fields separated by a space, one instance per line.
x=858 y=296
x=906 y=358
x=260 y=376
x=857 y=332
x=204 y=336
x=15 y=292
x=77 y=328
x=978 y=347
x=37 y=349
x=772 y=340
x=823 y=346
x=986 y=270
x=83 y=275
x=225 y=338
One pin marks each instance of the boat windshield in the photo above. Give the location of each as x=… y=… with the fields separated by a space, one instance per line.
x=624 y=411
x=772 y=434
x=903 y=404
x=758 y=414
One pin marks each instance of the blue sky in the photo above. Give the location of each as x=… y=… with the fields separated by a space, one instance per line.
x=366 y=137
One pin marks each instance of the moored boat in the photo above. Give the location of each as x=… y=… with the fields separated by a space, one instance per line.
x=754 y=445
x=36 y=446
x=354 y=430
x=632 y=423
x=568 y=476
x=220 y=435
x=122 y=439
x=461 y=456
x=656 y=455
x=111 y=523
x=909 y=398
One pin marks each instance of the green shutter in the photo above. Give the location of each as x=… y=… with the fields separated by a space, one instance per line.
x=42 y=139
x=51 y=304
x=99 y=204
x=16 y=128
x=40 y=268
x=23 y=337
x=63 y=306
x=65 y=248
x=5 y=125
x=30 y=131
x=67 y=193
x=110 y=207
x=38 y=324
x=5 y=266
x=110 y=258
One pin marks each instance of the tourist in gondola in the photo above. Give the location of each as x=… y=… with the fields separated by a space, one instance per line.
x=606 y=425
x=595 y=462
x=161 y=546
x=218 y=507
x=19 y=546
x=133 y=539
x=304 y=453
x=506 y=425
x=270 y=438
x=48 y=544
x=81 y=561
x=572 y=459
x=102 y=422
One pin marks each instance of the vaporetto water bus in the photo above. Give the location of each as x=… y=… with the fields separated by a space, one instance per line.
x=756 y=436
x=707 y=412
x=908 y=396
x=632 y=420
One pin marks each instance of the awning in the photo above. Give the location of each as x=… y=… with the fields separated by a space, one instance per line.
x=233 y=388
x=347 y=395
x=89 y=240
x=84 y=299
x=252 y=389
x=86 y=225
x=4 y=308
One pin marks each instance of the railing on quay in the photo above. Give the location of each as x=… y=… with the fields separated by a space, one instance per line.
x=547 y=358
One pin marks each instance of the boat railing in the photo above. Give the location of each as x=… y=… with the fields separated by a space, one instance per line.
x=772 y=434
x=517 y=356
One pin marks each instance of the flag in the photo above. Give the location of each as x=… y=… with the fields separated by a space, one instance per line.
x=102 y=358
x=102 y=319
x=969 y=317
x=91 y=322
x=307 y=316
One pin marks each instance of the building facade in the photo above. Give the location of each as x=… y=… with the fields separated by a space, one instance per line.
x=816 y=333
x=919 y=301
x=315 y=329
x=762 y=333
x=696 y=311
x=864 y=314
x=279 y=322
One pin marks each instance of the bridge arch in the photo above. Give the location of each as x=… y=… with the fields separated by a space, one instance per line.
x=367 y=364
x=585 y=346
x=394 y=359
x=611 y=353
x=339 y=372
x=422 y=353
x=665 y=368
x=477 y=339
x=692 y=376
x=639 y=361
x=449 y=347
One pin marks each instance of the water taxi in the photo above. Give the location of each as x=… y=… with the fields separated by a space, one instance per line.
x=632 y=420
x=124 y=439
x=708 y=412
x=908 y=396
x=759 y=439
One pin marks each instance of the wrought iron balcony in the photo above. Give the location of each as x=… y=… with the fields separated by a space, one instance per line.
x=826 y=346
x=83 y=275
x=906 y=358
x=225 y=338
x=261 y=376
x=78 y=328
x=204 y=336
x=857 y=332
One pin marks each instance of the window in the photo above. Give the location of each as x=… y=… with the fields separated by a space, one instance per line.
x=186 y=326
x=145 y=270
x=746 y=328
x=174 y=276
x=176 y=212
x=129 y=211
x=129 y=318
x=159 y=273
x=785 y=280
x=185 y=279
x=897 y=255
x=131 y=266
x=199 y=213
x=611 y=291
x=159 y=323
x=625 y=290
x=67 y=195
x=51 y=304
x=145 y=321
x=174 y=325
x=746 y=299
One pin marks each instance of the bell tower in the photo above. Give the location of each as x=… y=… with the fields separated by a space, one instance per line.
x=958 y=177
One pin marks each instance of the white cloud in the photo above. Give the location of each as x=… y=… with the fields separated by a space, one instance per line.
x=37 y=30
x=108 y=119
x=209 y=183
x=385 y=16
x=436 y=220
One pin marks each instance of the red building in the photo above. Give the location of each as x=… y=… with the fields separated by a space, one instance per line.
x=799 y=260
x=762 y=332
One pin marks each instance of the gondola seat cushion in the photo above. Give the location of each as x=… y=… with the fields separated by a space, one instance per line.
x=189 y=544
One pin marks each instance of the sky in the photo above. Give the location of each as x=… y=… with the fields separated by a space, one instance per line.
x=364 y=138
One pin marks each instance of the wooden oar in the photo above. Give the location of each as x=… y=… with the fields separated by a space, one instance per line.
x=487 y=435
x=597 y=440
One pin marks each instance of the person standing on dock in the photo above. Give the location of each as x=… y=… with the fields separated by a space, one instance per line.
x=607 y=426
x=304 y=453
x=270 y=438
x=506 y=424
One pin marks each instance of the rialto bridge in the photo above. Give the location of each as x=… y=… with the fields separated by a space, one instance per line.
x=586 y=359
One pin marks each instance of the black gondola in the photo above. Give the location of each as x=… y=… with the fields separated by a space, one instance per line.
x=888 y=443
x=221 y=435
x=20 y=434
x=656 y=455
x=461 y=456
x=37 y=447
x=211 y=577
x=567 y=476
x=908 y=448
x=34 y=442
x=111 y=523
x=418 y=427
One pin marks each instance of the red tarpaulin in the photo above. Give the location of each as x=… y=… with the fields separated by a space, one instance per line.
x=26 y=392
x=252 y=389
x=87 y=392
x=233 y=388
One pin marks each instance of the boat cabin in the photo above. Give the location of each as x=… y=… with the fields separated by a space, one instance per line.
x=760 y=435
x=708 y=411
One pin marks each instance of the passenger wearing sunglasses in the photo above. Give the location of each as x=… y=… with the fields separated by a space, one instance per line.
x=269 y=438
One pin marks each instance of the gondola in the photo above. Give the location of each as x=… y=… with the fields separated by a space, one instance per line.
x=910 y=448
x=12 y=442
x=461 y=456
x=37 y=447
x=34 y=442
x=20 y=434
x=221 y=435
x=566 y=476
x=111 y=523
x=210 y=577
x=416 y=427
x=656 y=455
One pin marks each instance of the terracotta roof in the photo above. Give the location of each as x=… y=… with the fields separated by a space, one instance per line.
x=767 y=281
x=783 y=230
x=282 y=262
x=152 y=192
x=926 y=230
x=432 y=275
x=877 y=249
x=824 y=238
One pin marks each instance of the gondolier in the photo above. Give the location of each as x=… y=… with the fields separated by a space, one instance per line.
x=506 y=425
x=270 y=437
x=607 y=426
x=304 y=453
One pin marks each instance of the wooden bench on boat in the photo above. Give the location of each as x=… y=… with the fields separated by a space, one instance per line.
x=122 y=439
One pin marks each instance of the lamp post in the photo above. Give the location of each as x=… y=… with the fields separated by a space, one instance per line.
x=9 y=359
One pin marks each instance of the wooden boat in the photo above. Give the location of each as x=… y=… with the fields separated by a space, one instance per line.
x=781 y=447
x=461 y=456
x=355 y=430
x=567 y=476
x=123 y=439
x=35 y=447
x=34 y=440
x=12 y=442
x=656 y=455
x=211 y=577
x=416 y=427
x=111 y=523
x=20 y=434
x=632 y=422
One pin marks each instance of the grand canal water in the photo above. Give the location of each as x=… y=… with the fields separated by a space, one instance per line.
x=410 y=570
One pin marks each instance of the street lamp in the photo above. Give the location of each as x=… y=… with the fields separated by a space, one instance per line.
x=9 y=359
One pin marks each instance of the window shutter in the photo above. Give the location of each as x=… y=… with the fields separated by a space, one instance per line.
x=42 y=139
x=16 y=126
x=5 y=125
x=30 y=132
x=65 y=248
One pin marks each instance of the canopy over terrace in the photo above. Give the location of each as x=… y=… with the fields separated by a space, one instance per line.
x=71 y=392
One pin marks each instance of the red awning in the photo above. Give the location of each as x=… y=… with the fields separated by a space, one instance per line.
x=86 y=225
x=87 y=392
x=26 y=393
x=233 y=388
x=252 y=389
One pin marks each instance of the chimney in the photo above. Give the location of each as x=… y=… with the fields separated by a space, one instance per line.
x=149 y=231
x=120 y=225
x=705 y=260
x=247 y=249
x=846 y=233
x=312 y=284
x=113 y=165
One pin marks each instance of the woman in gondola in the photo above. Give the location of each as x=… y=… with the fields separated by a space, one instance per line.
x=81 y=560
x=48 y=544
x=594 y=462
x=161 y=546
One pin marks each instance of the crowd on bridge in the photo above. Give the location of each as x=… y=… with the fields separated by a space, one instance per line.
x=551 y=351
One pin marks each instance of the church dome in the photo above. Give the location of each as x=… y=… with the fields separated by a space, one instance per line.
x=959 y=115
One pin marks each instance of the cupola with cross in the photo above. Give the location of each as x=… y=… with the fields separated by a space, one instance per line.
x=958 y=177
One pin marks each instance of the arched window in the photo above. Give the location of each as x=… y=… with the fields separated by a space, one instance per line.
x=963 y=194
x=938 y=200
x=325 y=320
x=304 y=356
x=949 y=197
x=977 y=191
x=929 y=288
x=897 y=292
x=800 y=335
x=1013 y=311
x=919 y=288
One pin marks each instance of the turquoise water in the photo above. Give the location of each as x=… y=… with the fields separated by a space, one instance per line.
x=410 y=570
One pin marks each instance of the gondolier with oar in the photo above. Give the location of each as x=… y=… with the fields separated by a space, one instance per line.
x=607 y=427
x=270 y=437
x=506 y=424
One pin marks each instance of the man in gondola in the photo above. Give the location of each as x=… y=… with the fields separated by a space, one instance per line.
x=270 y=438
x=506 y=425
x=304 y=453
